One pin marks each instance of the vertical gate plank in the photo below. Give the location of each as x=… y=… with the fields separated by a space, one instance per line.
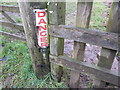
x=107 y=55
x=26 y=11
x=56 y=17
x=82 y=20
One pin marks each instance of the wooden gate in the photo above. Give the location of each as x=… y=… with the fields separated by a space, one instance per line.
x=58 y=31
x=81 y=35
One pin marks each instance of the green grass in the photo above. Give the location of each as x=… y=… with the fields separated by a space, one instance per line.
x=98 y=16
x=70 y=7
x=18 y=19
x=6 y=2
x=9 y=30
x=19 y=65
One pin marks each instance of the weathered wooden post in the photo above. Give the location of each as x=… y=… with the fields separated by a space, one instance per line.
x=40 y=65
x=82 y=20
x=56 y=17
x=107 y=55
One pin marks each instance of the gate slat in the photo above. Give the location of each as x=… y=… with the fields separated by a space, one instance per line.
x=101 y=73
x=9 y=8
x=56 y=17
x=12 y=25
x=107 y=55
x=8 y=17
x=98 y=38
x=82 y=20
x=12 y=36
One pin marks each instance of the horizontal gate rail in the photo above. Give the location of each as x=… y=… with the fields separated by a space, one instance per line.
x=12 y=25
x=12 y=36
x=103 y=39
x=9 y=8
x=102 y=73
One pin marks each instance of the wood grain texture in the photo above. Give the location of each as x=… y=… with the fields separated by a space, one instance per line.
x=26 y=10
x=75 y=65
x=99 y=38
x=56 y=16
x=82 y=20
x=107 y=55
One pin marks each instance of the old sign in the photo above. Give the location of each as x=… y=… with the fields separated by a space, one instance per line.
x=41 y=24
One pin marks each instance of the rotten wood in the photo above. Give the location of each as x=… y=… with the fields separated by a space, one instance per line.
x=12 y=25
x=82 y=20
x=107 y=55
x=13 y=36
x=99 y=38
x=40 y=66
x=78 y=66
x=56 y=16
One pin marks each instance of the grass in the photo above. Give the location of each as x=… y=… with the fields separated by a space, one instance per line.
x=17 y=69
x=19 y=66
x=98 y=16
x=12 y=2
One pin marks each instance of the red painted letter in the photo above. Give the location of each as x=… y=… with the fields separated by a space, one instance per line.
x=43 y=27
x=42 y=21
x=41 y=14
x=43 y=39
x=43 y=33
x=44 y=44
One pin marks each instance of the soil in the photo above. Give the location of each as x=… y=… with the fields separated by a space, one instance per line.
x=91 y=52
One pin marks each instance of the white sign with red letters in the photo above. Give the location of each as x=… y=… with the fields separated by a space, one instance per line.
x=41 y=24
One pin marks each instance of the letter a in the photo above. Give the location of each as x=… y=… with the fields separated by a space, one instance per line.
x=42 y=21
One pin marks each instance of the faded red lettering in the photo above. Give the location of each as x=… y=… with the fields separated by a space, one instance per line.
x=43 y=39
x=44 y=44
x=42 y=21
x=41 y=14
x=43 y=33
x=43 y=27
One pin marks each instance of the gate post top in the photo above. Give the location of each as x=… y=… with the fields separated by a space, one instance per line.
x=36 y=5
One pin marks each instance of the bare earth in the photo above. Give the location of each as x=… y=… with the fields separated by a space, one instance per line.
x=91 y=53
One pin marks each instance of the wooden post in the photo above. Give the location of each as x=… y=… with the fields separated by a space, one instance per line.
x=107 y=55
x=82 y=20
x=40 y=65
x=56 y=17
